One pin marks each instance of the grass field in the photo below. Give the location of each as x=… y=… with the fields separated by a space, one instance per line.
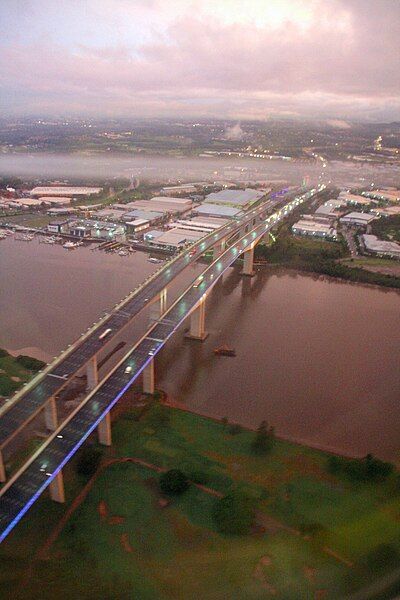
x=318 y=535
x=13 y=374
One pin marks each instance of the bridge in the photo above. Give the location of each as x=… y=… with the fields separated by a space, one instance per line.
x=44 y=467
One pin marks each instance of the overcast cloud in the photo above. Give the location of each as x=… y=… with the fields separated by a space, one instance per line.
x=336 y=59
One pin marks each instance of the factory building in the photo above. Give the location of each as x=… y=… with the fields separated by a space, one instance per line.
x=55 y=200
x=315 y=229
x=242 y=199
x=65 y=191
x=173 y=239
x=97 y=229
x=137 y=226
x=354 y=199
x=381 y=247
x=215 y=210
x=60 y=226
x=357 y=218
x=391 y=195
x=184 y=188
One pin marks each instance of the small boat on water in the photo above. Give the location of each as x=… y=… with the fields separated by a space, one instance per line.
x=69 y=245
x=224 y=351
x=154 y=260
x=123 y=253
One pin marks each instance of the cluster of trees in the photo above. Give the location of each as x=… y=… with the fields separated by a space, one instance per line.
x=232 y=514
x=263 y=440
x=387 y=228
x=334 y=269
x=174 y=482
x=88 y=461
x=368 y=468
x=30 y=363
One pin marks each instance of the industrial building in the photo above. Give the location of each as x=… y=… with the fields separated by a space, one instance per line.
x=354 y=199
x=136 y=226
x=358 y=218
x=97 y=229
x=215 y=210
x=236 y=198
x=55 y=200
x=387 y=211
x=184 y=188
x=199 y=224
x=65 y=191
x=391 y=195
x=167 y=206
x=151 y=216
x=173 y=239
x=60 y=226
x=381 y=247
x=315 y=229
x=329 y=207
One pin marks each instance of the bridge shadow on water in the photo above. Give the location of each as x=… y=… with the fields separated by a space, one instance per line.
x=184 y=363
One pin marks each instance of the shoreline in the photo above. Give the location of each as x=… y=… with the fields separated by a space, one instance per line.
x=322 y=277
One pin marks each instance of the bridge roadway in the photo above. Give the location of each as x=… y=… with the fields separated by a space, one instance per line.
x=18 y=495
x=27 y=403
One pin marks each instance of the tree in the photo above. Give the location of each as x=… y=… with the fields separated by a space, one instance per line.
x=263 y=439
x=88 y=461
x=174 y=482
x=234 y=513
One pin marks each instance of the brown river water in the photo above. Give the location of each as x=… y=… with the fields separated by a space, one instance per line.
x=317 y=359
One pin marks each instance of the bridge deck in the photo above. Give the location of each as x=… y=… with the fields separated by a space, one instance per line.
x=27 y=403
x=26 y=486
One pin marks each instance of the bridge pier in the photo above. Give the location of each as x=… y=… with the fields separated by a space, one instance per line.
x=104 y=431
x=92 y=374
x=159 y=306
x=149 y=378
x=219 y=248
x=3 y=475
x=57 y=492
x=248 y=264
x=197 y=321
x=50 y=414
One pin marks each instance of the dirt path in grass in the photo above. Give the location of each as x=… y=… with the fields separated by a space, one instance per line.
x=269 y=523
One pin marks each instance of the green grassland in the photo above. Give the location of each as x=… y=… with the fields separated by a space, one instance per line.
x=318 y=535
x=15 y=371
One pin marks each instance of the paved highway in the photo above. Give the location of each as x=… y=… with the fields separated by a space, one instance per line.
x=30 y=400
x=27 y=485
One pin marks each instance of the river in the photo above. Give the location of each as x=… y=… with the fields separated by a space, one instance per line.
x=317 y=359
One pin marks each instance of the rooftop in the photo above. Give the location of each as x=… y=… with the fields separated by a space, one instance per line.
x=65 y=190
x=235 y=197
x=374 y=244
x=358 y=216
x=215 y=209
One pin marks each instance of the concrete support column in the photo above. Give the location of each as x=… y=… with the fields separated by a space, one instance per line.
x=159 y=306
x=219 y=248
x=104 y=430
x=57 y=492
x=197 y=321
x=248 y=265
x=92 y=374
x=50 y=414
x=3 y=475
x=148 y=378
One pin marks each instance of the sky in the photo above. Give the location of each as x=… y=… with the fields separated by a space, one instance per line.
x=253 y=59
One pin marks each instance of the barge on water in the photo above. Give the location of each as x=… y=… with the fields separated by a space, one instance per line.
x=224 y=351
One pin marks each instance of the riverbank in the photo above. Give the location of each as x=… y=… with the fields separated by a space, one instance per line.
x=15 y=371
x=320 y=257
x=316 y=533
